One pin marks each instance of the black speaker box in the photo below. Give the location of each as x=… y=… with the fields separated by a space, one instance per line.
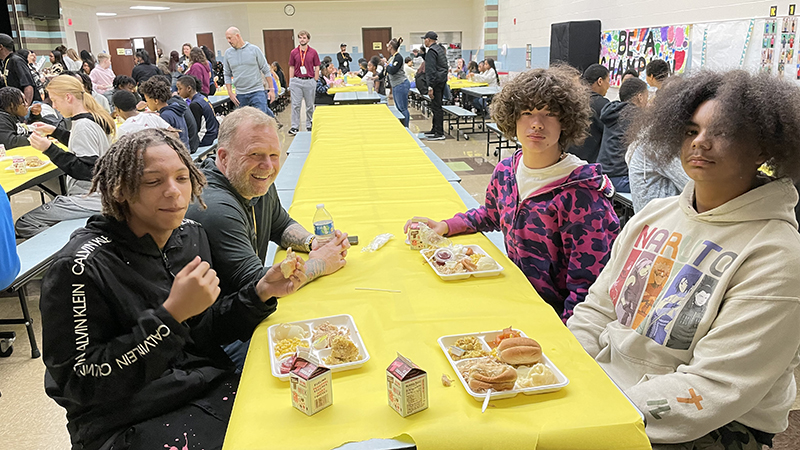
x=575 y=43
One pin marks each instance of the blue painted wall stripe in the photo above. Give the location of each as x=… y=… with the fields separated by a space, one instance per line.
x=490 y=47
x=43 y=34
x=490 y=25
x=490 y=2
x=20 y=8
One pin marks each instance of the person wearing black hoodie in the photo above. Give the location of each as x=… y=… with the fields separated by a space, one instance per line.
x=598 y=80
x=157 y=94
x=132 y=312
x=192 y=127
x=616 y=117
x=144 y=68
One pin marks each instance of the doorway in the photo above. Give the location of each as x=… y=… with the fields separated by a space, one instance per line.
x=374 y=41
x=206 y=39
x=146 y=43
x=83 y=42
x=278 y=45
x=121 y=51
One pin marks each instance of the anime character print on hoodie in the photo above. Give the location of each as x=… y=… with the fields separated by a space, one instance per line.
x=695 y=317
x=558 y=224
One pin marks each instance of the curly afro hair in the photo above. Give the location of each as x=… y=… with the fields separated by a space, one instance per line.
x=559 y=89
x=156 y=89
x=750 y=115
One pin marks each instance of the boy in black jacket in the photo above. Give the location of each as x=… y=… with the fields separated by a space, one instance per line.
x=132 y=326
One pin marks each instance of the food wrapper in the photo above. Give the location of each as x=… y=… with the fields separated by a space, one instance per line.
x=430 y=239
x=379 y=241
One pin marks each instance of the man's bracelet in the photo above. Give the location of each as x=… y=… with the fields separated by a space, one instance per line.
x=307 y=243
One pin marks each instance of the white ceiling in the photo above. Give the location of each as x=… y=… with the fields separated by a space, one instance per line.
x=122 y=7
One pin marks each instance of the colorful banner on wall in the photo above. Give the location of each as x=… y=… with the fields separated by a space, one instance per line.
x=633 y=49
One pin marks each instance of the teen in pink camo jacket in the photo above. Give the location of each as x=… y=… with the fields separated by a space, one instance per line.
x=560 y=237
x=552 y=207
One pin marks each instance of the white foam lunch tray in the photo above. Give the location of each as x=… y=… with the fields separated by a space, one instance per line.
x=462 y=276
x=489 y=336
x=342 y=320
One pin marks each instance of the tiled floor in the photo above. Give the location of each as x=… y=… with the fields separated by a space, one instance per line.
x=30 y=420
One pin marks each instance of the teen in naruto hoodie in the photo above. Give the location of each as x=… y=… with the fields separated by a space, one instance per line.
x=696 y=315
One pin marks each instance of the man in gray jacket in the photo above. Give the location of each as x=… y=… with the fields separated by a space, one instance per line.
x=245 y=64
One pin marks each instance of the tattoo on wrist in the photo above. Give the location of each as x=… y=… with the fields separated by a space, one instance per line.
x=315 y=268
x=295 y=237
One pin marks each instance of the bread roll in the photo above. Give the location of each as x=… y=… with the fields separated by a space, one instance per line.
x=289 y=264
x=519 y=350
x=491 y=374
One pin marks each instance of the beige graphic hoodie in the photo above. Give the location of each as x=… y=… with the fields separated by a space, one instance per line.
x=697 y=316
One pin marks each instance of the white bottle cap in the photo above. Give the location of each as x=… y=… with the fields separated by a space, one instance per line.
x=321 y=205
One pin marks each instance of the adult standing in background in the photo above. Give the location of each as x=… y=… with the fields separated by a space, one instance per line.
x=344 y=59
x=102 y=76
x=436 y=69
x=184 y=60
x=16 y=71
x=174 y=68
x=30 y=57
x=211 y=61
x=144 y=68
x=303 y=76
x=245 y=63
x=199 y=69
x=398 y=79
x=417 y=58
x=596 y=77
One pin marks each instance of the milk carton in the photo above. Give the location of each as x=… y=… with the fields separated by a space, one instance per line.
x=310 y=384
x=414 y=238
x=407 y=386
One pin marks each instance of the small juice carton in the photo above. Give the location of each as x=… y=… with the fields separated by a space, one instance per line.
x=407 y=386
x=18 y=162
x=413 y=237
x=310 y=383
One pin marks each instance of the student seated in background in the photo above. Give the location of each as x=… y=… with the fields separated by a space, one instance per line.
x=124 y=83
x=201 y=109
x=125 y=104
x=657 y=73
x=599 y=81
x=322 y=97
x=408 y=68
x=553 y=208
x=191 y=125
x=616 y=117
x=147 y=282
x=89 y=138
x=157 y=93
x=695 y=316
x=87 y=85
x=630 y=73
x=13 y=133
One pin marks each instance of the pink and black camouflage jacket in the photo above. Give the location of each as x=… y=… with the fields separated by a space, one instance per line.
x=560 y=236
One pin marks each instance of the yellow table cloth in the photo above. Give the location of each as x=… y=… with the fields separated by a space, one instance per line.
x=10 y=181
x=372 y=177
x=456 y=83
x=355 y=88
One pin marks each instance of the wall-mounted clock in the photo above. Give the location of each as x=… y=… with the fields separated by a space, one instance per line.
x=288 y=10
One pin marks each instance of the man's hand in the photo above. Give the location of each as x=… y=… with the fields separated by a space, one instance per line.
x=271 y=95
x=233 y=98
x=196 y=287
x=331 y=255
x=43 y=128
x=439 y=228
x=273 y=284
x=39 y=142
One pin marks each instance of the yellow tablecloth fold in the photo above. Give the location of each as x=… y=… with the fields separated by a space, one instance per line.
x=456 y=83
x=372 y=177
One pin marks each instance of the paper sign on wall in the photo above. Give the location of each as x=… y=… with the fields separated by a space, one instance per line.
x=121 y=51
x=377 y=45
x=128 y=52
x=634 y=48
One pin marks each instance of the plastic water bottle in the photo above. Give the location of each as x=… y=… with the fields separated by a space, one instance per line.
x=323 y=225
